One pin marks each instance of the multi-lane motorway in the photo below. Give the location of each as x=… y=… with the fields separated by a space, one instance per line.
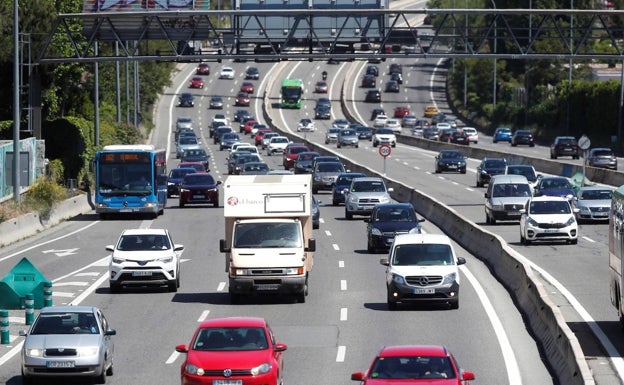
x=344 y=320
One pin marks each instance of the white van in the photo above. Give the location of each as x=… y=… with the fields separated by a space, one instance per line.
x=505 y=197
x=422 y=268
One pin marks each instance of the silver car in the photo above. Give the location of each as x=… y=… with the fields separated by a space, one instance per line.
x=594 y=203
x=187 y=143
x=348 y=137
x=331 y=135
x=324 y=175
x=68 y=341
x=364 y=194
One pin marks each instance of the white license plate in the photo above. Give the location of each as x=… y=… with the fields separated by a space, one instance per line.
x=227 y=382
x=601 y=214
x=452 y=166
x=424 y=291
x=198 y=196
x=60 y=364
x=550 y=230
x=141 y=273
x=266 y=287
x=126 y=210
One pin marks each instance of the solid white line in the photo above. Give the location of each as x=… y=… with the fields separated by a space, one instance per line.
x=589 y=239
x=172 y=358
x=203 y=316
x=335 y=246
x=72 y=284
x=343 y=284
x=511 y=364
x=343 y=314
x=340 y=355
x=88 y=274
x=62 y=294
x=50 y=241
x=89 y=290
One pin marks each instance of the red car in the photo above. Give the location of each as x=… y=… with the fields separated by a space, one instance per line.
x=196 y=82
x=203 y=69
x=242 y=99
x=401 y=111
x=199 y=188
x=260 y=135
x=249 y=125
x=247 y=87
x=321 y=87
x=414 y=364
x=233 y=350
x=291 y=152
x=198 y=166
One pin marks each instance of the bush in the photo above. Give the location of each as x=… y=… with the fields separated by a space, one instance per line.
x=43 y=194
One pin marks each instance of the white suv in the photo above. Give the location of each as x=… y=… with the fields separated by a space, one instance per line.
x=363 y=194
x=422 y=268
x=548 y=218
x=144 y=257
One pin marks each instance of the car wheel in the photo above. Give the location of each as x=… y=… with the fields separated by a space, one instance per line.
x=479 y=184
x=393 y=145
x=574 y=241
x=110 y=371
x=348 y=215
x=181 y=204
x=374 y=144
x=301 y=297
x=454 y=304
x=27 y=380
x=234 y=298
x=335 y=202
x=172 y=286
x=437 y=171
x=392 y=305
x=114 y=287
x=178 y=279
x=370 y=249
x=314 y=190
x=101 y=379
x=492 y=220
x=494 y=141
x=216 y=204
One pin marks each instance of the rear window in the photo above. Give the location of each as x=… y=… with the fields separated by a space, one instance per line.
x=567 y=141
x=603 y=153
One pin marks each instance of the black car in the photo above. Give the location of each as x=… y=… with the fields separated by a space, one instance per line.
x=364 y=132
x=342 y=183
x=219 y=132
x=369 y=81
x=316 y=214
x=304 y=161
x=196 y=155
x=241 y=115
x=450 y=160
x=324 y=102
x=397 y=77
x=377 y=111
x=392 y=86
x=458 y=137
x=322 y=112
x=214 y=125
x=488 y=168
x=564 y=146
x=252 y=73
x=372 y=70
x=186 y=100
x=522 y=137
x=386 y=221
x=373 y=96
x=395 y=68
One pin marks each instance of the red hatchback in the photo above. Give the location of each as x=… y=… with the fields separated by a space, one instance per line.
x=242 y=99
x=291 y=152
x=196 y=82
x=401 y=111
x=247 y=87
x=414 y=364
x=234 y=350
x=203 y=69
x=259 y=135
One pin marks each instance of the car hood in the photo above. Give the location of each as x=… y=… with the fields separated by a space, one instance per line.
x=420 y=381
x=175 y=180
x=196 y=158
x=424 y=270
x=594 y=203
x=517 y=201
x=550 y=218
x=367 y=194
x=48 y=341
x=145 y=255
x=494 y=171
x=219 y=360
x=451 y=160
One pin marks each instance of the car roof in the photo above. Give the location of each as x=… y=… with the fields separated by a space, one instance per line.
x=70 y=309
x=543 y=198
x=597 y=188
x=399 y=205
x=420 y=350
x=508 y=178
x=401 y=239
x=233 y=322
x=144 y=231
x=368 y=179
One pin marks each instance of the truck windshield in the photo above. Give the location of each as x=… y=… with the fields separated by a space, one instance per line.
x=269 y=235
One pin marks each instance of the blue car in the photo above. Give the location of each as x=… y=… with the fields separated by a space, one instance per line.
x=174 y=179
x=502 y=134
x=342 y=183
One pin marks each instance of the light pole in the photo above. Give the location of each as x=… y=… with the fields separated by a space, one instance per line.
x=495 y=43
x=16 y=104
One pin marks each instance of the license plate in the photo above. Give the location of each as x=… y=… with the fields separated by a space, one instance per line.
x=600 y=214
x=126 y=210
x=198 y=196
x=266 y=287
x=424 y=291
x=60 y=364
x=550 y=230
x=227 y=382
x=452 y=166
x=141 y=273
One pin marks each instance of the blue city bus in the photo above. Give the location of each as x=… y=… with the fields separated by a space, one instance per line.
x=130 y=179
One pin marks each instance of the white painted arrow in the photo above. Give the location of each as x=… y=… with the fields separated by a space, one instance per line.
x=61 y=253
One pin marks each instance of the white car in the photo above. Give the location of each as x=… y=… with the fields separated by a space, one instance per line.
x=144 y=257
x=277 y=144
x=266 y=138
x=306 y=124
x=394 y=125
x=422 y=268
x=340 y=123
x=240 y=144
x=384 y=136
x=472 y=134
x=443 y=126
x=227 y=73
x=220 y=118
x=380 y=120
x=548 y=218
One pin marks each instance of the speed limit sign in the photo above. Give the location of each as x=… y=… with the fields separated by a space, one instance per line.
x=384 y=150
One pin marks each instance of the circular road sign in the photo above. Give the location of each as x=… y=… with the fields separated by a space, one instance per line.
x=384 y=150
x=584 y=142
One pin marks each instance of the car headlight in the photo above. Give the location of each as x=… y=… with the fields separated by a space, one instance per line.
x=532 y=222
x=498 y=207
x=261 y=369
x=375 y=231
x=352 y=199
x=118 y=260
x=317 y=178
x=570 y=221
x=399 y=280
x=585 y=210
x=88 y=351
x=170 y=184
x=192 y=369
x=184 y=190
x=168 y=259
x=34 y=352
x=449 y=279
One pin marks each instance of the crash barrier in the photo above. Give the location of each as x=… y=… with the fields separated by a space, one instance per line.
x=561 y=348
x=5 y=338
x=22 y=281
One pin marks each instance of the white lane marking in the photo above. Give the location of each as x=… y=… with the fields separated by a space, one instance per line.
x=340 y=355
x=171 y=108
x=62 y=294
x=589 y=239
x=50 y=241
x=343 y=284
x=432 y=79
x=335 y=246
x=172 y=358
x=203 y=316
x=88 y=274
x=343 y=314
x=89 y=290
x=71 y=284
x=511 y=364
x=221 y=286
x=341 y=264
x=328 y=233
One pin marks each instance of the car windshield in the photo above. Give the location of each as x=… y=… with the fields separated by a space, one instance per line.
x=528 y=172
x=596 y=194
x=348 y=132
x=555 y=183
x=199 y=179
x=412 y=367
x=511 y=190
x=329 y=167
x=200 y=152
x=549 y=207
x=384 y=131
x=494 y=163
x=346 y=179
x=450 y=155
x=422 y=254
x=368 y=186
x=267 y=235
x=279 y=140
x=602 y=153
x=143 y=242
x=394 y=215
x=179 y=173
x=65 y=323
x=188 y=140
x=231 y=339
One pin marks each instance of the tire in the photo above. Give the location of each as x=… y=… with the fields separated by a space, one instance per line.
x=234 y=299
x=370 y=248
x=454 y=304
x=338 y=145
x=393 y=145
x=392 y=305
x=437 y=171
x=101 y=379
x=216 y=204
x=110 y=371
x=301 y=297
x=27 y=380
x=172 y=286
x=574 y=241
x=348 y=215
x=374 y=144
x=335 y=203
x=114 y=287
x=181 y=204
x=314 y=190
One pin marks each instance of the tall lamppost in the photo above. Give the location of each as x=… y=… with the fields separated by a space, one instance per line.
x=16 y=104
x=495 y=50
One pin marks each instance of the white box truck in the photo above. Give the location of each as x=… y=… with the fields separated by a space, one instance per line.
x=268 y=241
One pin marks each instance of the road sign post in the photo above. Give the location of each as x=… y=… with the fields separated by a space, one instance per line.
x=584 y=143
x=385 y=150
